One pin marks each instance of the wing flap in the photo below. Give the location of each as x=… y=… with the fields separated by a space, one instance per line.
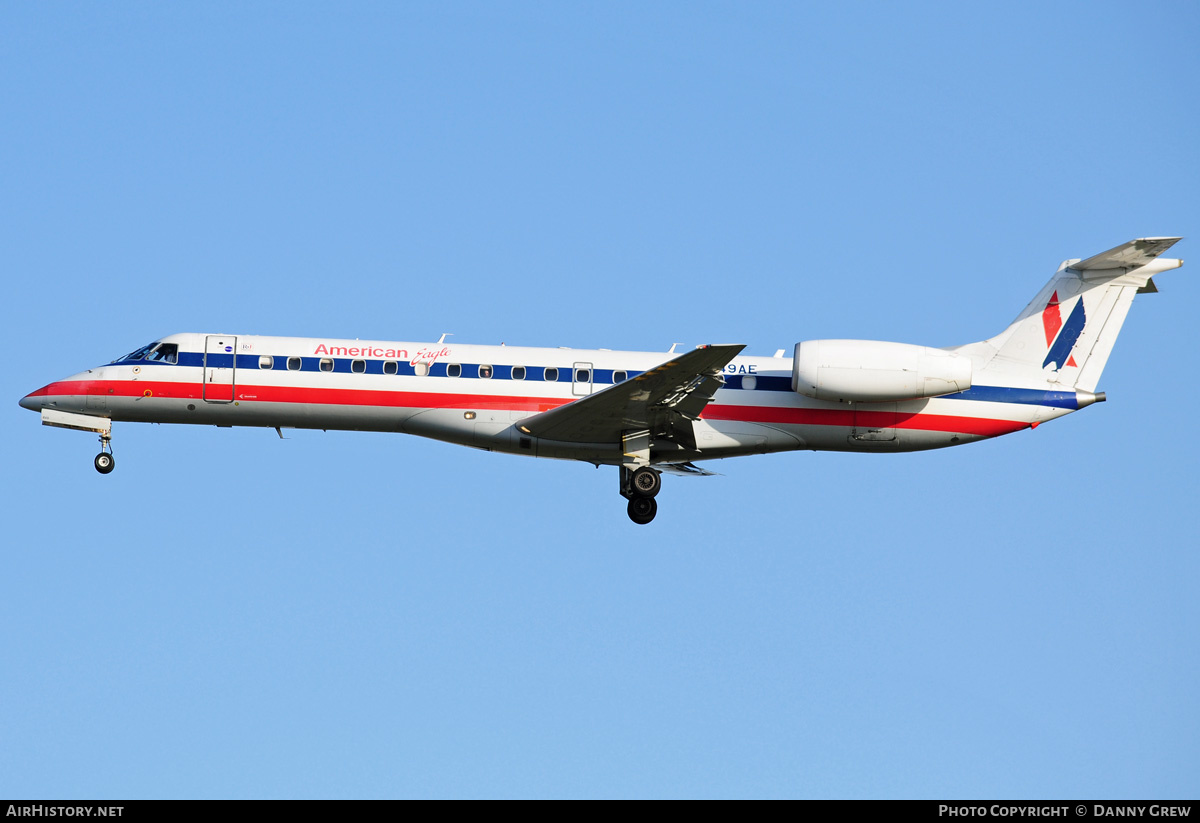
x=684 y=470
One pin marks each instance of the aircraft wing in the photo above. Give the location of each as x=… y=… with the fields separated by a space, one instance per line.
x=664 y=399
x=1131 y=255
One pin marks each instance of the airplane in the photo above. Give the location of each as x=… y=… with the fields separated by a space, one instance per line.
x=643 y=412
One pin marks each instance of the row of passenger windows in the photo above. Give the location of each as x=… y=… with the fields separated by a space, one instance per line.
x=550 y=375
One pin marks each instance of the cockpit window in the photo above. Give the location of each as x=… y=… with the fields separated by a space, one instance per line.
x=163 y=353
x=135 y=355
x=156 y=353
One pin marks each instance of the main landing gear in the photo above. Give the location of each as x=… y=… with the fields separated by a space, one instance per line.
x=640 y=485
x=104 y=460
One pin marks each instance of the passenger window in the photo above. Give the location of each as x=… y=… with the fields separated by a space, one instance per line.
x=485 y=372
x=620 y=377
x=583 y=376
x=518 y=373
x=454 y=370
x=326 y=364
x=358 y=366
x=294 y=364
x=266 y=362
x=551 y=375
x=390 y=367
x=421 y=369
x=749 y=382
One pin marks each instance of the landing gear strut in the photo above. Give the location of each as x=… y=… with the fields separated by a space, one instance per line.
x=640 y=485
x=104 y=460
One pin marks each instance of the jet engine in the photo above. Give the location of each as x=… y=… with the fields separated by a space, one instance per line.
x=873 y=371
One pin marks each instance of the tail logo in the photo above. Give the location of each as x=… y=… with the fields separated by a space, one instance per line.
x=1060 y=337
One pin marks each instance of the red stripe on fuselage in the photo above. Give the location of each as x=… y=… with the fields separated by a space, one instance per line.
x=303 y=394
x=868 y=419
x=442 y=400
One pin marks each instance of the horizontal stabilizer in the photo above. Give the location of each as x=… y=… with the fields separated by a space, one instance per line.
x=1131 y=255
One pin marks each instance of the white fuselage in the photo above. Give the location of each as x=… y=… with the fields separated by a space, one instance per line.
x=477 y=396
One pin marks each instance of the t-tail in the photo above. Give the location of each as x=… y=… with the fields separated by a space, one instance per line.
x=1063 y=338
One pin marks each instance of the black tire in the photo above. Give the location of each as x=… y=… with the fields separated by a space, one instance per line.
x=642 y=509
x=105 y=463
x=645 y=482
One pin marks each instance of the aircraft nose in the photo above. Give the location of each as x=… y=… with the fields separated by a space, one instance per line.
x=33 y=400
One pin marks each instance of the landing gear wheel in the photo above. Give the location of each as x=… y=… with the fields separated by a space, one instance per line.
x=105 y=463
x=642 y=509
x=645 y=482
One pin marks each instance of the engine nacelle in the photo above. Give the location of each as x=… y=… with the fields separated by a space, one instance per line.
x=874 y=371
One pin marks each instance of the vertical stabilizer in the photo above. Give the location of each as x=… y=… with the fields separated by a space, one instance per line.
x=1066 y=334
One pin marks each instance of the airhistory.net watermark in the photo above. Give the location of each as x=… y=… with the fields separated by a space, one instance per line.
x=43 y=810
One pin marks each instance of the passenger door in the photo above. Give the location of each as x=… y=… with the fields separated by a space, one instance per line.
x=220 y=365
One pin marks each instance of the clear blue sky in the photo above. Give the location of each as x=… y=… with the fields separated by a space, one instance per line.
x=335 y=615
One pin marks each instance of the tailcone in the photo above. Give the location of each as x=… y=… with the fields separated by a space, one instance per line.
x=1087 y=398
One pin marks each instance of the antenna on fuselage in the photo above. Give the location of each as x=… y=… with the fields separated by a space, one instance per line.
x=445 y=334
x=672 y=349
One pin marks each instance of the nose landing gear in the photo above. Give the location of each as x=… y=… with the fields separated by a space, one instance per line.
x=104 y=460
x=640 y=485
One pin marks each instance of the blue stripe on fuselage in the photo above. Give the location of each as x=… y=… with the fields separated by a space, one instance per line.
x=771 y=383
x=1006 y=394
x=344 y=365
